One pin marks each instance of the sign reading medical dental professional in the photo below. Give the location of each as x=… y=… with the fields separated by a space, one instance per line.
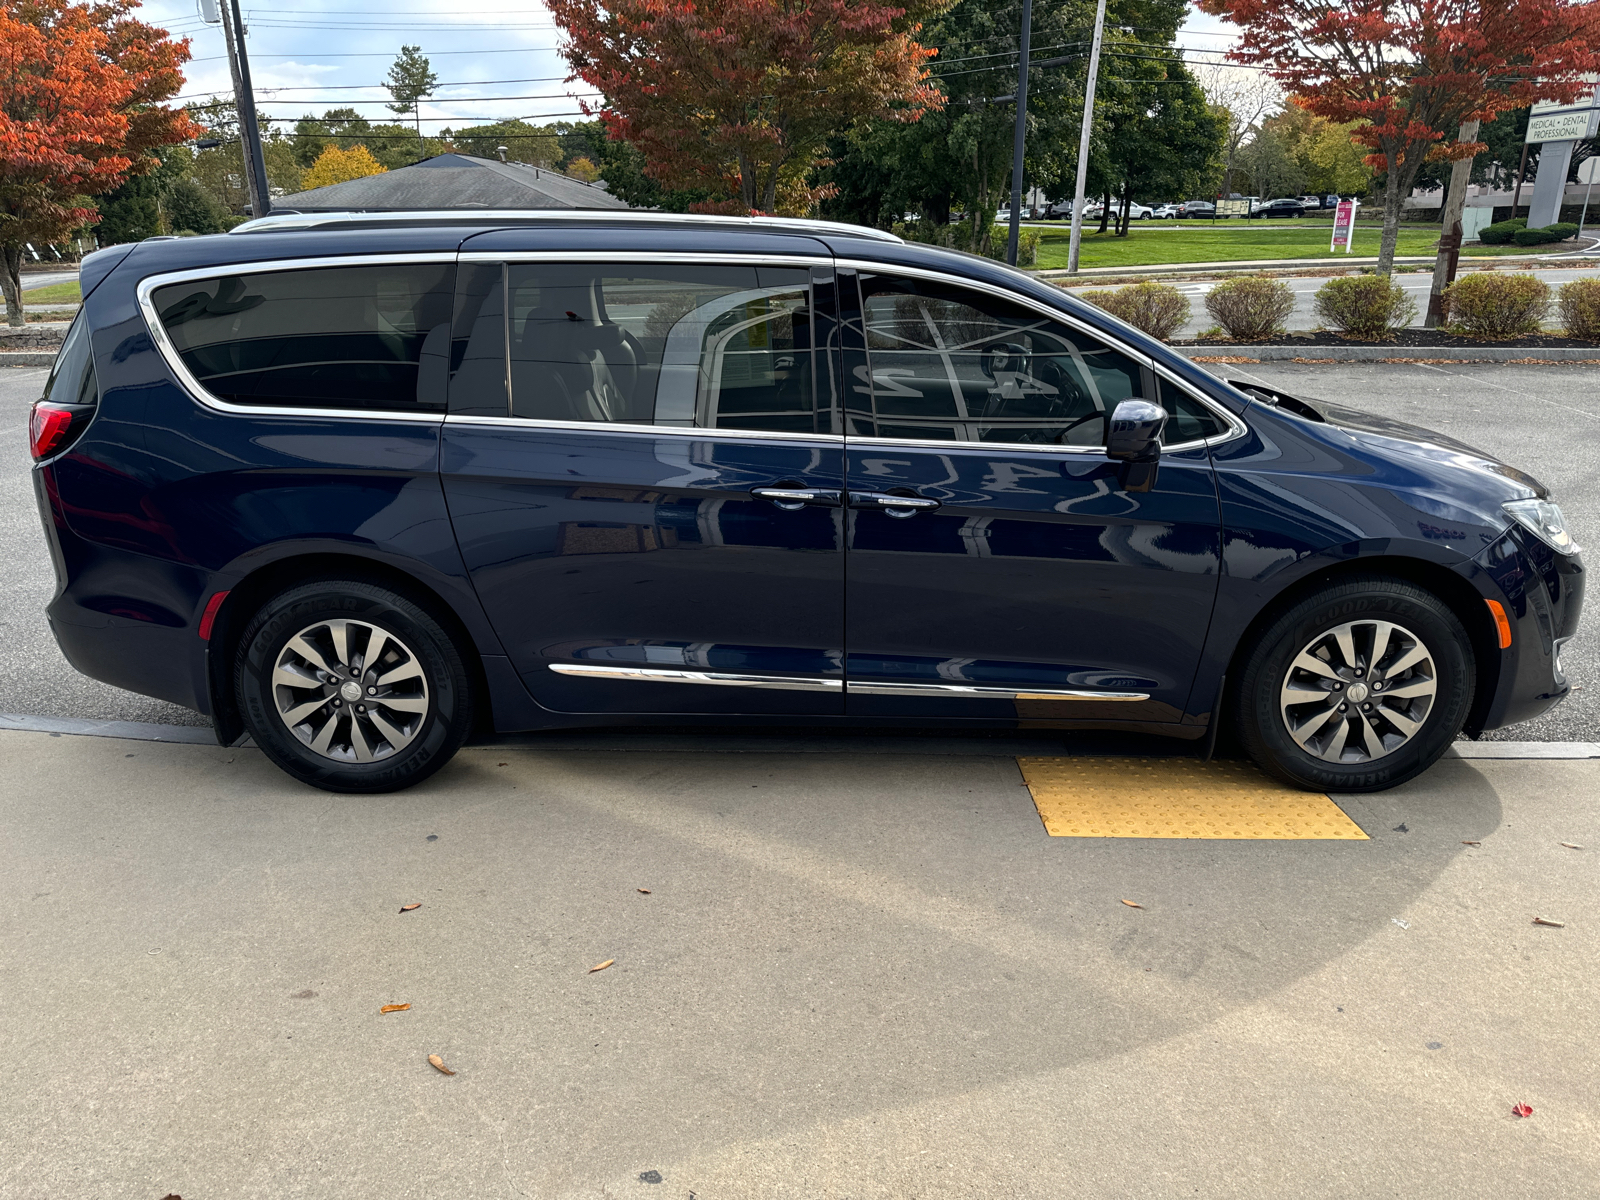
x=1344 y=225
x=1549 y=121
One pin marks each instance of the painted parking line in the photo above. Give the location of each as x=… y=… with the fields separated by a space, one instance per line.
x=1176 y=798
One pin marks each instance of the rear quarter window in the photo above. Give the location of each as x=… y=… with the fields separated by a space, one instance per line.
x=344 y=337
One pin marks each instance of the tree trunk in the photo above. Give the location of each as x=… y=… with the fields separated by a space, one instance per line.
x=1127 y=207
x=1397 y=185
x=1105 y=211
x=11 y=282
x=1444 y=267
x=747 y=182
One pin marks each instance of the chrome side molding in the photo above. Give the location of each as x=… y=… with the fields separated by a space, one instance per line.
x=796 y=683
x=783 y=683
x=955 y=691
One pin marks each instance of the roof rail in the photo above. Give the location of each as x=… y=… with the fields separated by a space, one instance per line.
x=273 y=223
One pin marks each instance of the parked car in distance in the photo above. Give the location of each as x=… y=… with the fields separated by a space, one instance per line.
x=1310 y=202
x=1197 y=208
x=1330 y=201
x=362 y=485
x=1003 y=216
x=1136 y=212
x=1287 y=207
x=1061 y=210
x=1165 y=212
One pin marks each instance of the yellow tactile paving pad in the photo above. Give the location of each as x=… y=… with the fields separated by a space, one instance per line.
x=1175 y=798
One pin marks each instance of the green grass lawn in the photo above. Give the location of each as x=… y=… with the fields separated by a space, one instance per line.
x=1231 y=241
x=63 y=293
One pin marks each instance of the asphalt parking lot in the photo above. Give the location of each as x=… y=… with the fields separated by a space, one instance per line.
x=1545 y=420
x=847 y=976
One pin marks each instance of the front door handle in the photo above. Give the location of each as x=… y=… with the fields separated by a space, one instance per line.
x=793 y=499
x=892 y=505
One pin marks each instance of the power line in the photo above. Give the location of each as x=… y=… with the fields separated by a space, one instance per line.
x=351 y=87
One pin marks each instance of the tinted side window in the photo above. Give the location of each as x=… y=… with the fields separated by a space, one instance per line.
x=1188 y=420
x=72 y=378
x=713 y=347
x=944 y=363
x=365 y=337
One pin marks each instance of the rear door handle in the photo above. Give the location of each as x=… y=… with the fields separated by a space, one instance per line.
x=892 y=505
x=792 y=499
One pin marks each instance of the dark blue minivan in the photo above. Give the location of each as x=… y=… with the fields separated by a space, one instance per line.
x=363 y=485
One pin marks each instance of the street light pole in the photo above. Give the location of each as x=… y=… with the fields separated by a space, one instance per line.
x=255 y=167
x=1083 y=138
x=1021 y=136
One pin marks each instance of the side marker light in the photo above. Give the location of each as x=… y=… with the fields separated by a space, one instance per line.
x=208 y=618
x=1501 y=622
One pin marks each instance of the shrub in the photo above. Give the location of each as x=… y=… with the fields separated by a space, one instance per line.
x=1250 y=306
x=1366 y=305
x=1156 y=308
x=1559 y=232
x=1497 y=303
x=1579 y=303
x=1501 y=232
x=958 y=236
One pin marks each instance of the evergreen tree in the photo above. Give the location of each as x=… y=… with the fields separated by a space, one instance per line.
x=411 y=80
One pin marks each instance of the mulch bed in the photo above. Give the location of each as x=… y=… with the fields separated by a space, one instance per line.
x=1405 y=338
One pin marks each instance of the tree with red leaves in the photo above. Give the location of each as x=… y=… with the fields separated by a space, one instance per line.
x=81 y=86
x=738 y=98
x=1412 y=71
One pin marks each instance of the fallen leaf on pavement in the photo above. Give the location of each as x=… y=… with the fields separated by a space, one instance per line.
x=409 y=907
x=1472 y=843
x=1572 y=846
x=437 y=1064
x=1547 y=921
x=388 y=1008
x=601 y=966
x=1522 y=1110
x=644 y=891
x=1132 y=904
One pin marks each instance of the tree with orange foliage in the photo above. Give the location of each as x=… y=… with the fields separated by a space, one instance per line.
x=81 y=86
x=740 y=97
x=1412 y=71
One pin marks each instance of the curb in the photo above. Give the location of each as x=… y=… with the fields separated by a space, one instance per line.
x=1531 y=355
x=27 y=358
x=139 y=731
x=201 y=735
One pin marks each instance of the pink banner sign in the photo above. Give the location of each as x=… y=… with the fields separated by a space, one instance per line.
x=1344 y=225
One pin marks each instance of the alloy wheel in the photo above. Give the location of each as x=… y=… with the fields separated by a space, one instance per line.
x=350 y=691
x=1359 y=691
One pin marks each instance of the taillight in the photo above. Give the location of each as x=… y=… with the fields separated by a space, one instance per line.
x=47 y=429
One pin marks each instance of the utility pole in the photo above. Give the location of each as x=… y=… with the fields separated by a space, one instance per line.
x=1444 y=267
x=1021 y=135
x=1083 y=138
x=255 y=167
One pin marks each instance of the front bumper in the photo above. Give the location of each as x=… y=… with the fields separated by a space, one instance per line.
x=1542 y=592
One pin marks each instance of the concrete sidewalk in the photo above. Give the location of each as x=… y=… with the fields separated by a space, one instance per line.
x=863 y=975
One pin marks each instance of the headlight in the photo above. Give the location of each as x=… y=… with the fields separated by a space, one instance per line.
x=1544 y=521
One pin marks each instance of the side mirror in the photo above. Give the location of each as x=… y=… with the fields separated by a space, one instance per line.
x=1134 y=439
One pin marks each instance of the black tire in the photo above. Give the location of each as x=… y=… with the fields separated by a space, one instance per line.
x=415 y=645
x=1264 y=704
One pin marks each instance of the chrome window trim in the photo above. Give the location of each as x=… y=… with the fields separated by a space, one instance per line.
x=781 y=683
x=1235 y=426
x=715 y=431
x=197 y=391
x=958 y=691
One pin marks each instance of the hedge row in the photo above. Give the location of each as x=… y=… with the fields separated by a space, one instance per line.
x=1490 y=304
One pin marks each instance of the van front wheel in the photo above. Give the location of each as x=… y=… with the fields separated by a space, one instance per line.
x=1359 y=687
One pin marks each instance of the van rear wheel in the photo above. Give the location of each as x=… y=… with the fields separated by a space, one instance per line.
x=1357 y=688
x=351 y=687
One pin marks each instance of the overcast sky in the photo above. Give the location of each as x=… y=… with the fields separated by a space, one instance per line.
x=316 y=54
